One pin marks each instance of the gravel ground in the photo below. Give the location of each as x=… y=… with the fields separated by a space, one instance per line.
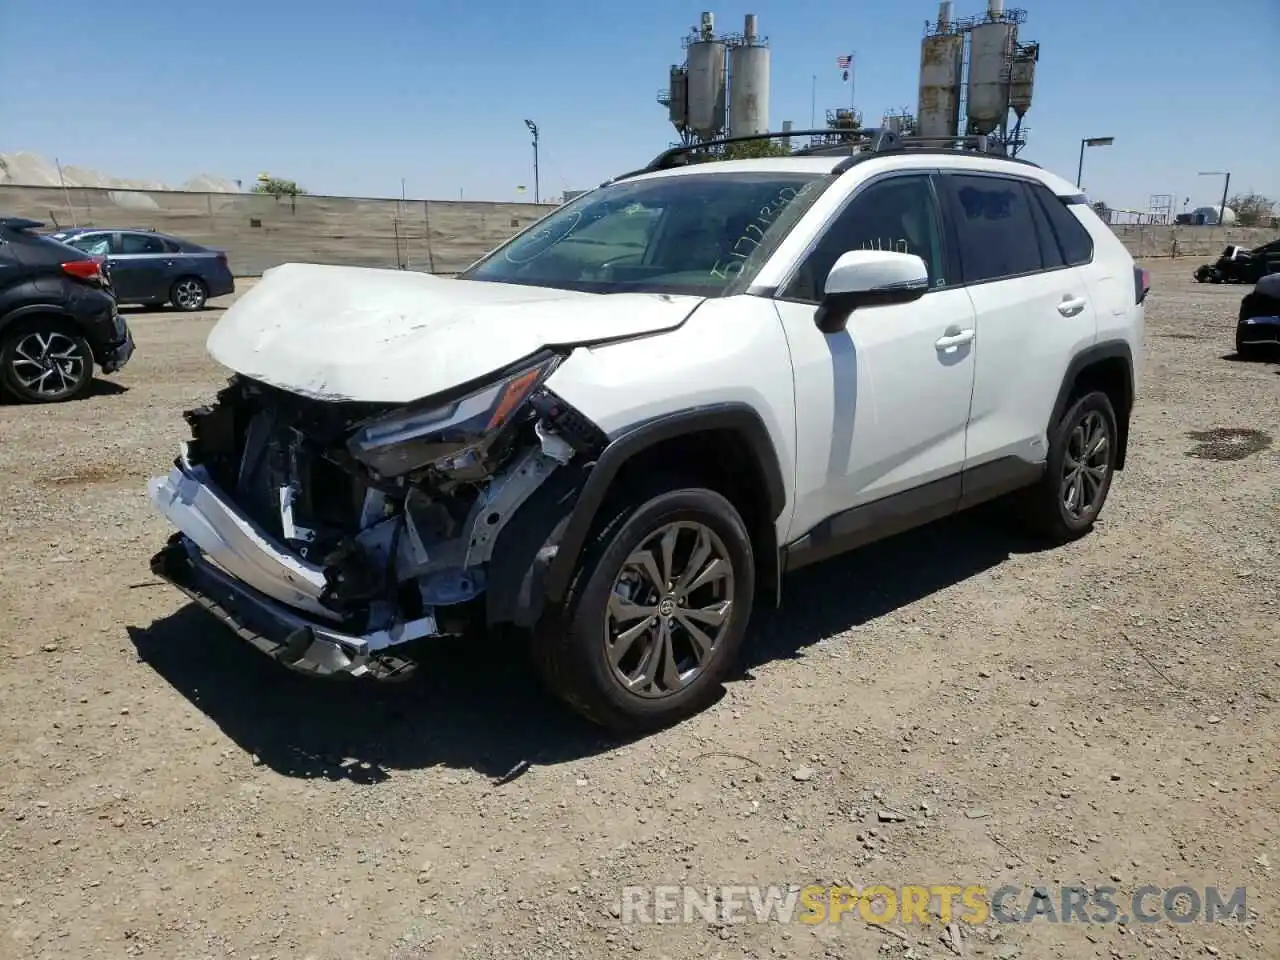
x=947 y=707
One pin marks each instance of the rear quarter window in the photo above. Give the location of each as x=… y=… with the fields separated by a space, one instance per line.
x=1073 y=237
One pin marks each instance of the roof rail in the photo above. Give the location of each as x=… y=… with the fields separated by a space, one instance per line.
x=862 y=140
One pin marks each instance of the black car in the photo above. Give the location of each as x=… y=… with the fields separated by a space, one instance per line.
x=58 y=317
x=1238 y=265
x=154 y=269
x=1258 y=328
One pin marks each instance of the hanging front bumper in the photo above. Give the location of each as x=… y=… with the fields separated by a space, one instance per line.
x=267 y=595
x=283 y=634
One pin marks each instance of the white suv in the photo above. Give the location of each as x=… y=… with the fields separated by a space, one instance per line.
x=668 y=392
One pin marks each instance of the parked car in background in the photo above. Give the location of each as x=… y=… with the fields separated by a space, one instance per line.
x=1258 y=329
x=57 y=317
x=153 y=268
x=1240 y=265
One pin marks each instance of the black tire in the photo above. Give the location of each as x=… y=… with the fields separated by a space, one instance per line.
x=571 y=648
x=188 y=294
x=1246 y=351
x=22 y=361
x=1044 y=506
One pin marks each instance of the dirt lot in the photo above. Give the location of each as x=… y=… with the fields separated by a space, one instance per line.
x=1100 y=714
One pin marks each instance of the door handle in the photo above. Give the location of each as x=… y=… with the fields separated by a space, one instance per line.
x=952 y=340
x=1070 y=306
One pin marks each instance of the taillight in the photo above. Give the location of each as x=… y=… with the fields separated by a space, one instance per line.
x=1141 y=284
x=90 y=269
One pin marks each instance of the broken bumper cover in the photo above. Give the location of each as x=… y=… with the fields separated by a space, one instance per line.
x=265 y=594
x=283 y=634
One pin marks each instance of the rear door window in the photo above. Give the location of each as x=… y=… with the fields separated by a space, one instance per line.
x=998 y=237
x=140 y=243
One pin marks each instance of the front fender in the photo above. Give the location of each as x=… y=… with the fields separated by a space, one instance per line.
x=736 y=417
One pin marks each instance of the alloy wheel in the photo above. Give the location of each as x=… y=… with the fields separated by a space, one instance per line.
x=48 y=364
x=669 y=609
x=1086 y=466
x=188 y=294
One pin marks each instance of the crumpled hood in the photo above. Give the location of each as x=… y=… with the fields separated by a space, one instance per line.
x=393 y=336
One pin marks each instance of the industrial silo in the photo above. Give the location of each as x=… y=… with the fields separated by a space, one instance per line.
x=706 y=77
x=749 y=83
x=990 y=53
x=678 y=98
x=1022 y=78
x=941 y=59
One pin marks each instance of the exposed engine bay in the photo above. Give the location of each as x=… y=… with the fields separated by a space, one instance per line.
x=376 y=523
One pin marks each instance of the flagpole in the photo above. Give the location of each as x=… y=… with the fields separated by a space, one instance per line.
x=853 y=62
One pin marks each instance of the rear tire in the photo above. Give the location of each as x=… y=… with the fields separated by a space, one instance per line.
x=45 y=360
x=188 y=294
x=633 y=654
x=1066 y=502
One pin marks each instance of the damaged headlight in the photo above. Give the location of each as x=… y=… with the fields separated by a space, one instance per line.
x=450 y=435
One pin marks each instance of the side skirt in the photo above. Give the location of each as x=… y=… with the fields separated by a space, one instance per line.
x=904 y=511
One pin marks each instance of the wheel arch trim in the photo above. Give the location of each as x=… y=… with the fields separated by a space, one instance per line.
x=36 y=310
x=1086 y=358
x=739 y=418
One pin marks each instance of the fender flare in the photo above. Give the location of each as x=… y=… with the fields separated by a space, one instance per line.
x=739 y=418
x=1106 y=350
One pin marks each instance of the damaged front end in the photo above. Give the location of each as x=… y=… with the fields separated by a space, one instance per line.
x=330 y=534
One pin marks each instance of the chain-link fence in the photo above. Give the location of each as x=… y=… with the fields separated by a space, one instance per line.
x=260 y=231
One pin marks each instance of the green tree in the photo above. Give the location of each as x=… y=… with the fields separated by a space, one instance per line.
x=755 y=149
x=1252 y=209
x=748 y=150
x=277 y=187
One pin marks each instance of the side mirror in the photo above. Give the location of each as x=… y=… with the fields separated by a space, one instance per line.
x=865 y=278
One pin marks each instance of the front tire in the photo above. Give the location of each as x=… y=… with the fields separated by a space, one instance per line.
x=1066 y=502
x=1246 y=351
x=656 y=614
x=189 y=294
x=45 y=361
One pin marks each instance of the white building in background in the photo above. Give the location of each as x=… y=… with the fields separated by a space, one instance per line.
x=1211 y=216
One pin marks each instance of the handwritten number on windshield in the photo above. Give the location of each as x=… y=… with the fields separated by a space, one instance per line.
x=727 y=269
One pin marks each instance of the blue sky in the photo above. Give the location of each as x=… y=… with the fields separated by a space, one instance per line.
x=349 y=97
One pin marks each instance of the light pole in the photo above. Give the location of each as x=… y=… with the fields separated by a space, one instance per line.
x=1226 y=183
x=1090 y=142
x=533 y=128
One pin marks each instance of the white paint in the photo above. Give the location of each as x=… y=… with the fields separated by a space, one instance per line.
x=392 y=336
x=732 y=349
x=881 y=407
x=860 y=270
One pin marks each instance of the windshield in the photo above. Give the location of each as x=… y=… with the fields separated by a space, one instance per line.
x=692 y=233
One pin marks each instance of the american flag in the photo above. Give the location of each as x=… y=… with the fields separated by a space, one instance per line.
x=843 y=62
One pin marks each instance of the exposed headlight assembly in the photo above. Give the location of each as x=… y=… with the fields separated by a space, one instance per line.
x=449 y=436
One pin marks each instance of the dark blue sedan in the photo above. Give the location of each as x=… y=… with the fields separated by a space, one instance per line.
x=154 y=269
x=1258 y=328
